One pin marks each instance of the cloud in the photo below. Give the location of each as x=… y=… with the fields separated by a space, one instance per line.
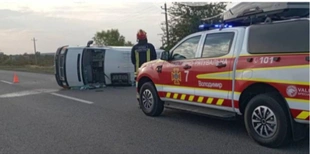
x=74 y=24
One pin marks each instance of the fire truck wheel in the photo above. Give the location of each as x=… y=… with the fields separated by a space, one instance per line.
x=266 y=121
x=150 y=103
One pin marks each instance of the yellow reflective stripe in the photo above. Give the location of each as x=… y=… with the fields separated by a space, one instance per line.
x=183 y=97
x=148 y=55
x=137 y=60
x=303 y=115
x=191 y=98
x=219 y=101
x=214 y=101
x=175 y=96
x=209 y=101
x=168 y=95
x=200 y=99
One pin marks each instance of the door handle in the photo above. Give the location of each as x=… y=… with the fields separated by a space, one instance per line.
x=159 y=68
x=187 y=67
x=307 y=58
x=220 y=64
x=276 y=58
x=78 y=67
x=249 y=60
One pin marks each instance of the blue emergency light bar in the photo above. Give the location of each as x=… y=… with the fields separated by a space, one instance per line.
x=213 y=26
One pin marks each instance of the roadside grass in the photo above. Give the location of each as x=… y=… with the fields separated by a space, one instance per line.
x=30 y=68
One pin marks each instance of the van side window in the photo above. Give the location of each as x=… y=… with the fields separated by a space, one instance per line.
x=187 y=49
x=217 y=44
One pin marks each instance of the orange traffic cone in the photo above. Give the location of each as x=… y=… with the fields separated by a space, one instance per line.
x=15 y=78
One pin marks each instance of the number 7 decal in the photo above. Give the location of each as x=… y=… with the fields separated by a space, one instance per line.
x=186 y=75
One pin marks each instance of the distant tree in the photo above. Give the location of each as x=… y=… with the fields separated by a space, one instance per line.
x=162 y=48
x=111 y=38
x=185 y=19
x=128 y=43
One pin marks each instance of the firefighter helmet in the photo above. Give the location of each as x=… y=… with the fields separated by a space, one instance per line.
x=141 y=35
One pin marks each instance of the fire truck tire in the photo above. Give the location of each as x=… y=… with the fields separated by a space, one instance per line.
x=266 y=121
x=150 y=102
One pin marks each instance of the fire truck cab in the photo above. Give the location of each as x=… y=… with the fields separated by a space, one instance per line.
x=258 y=69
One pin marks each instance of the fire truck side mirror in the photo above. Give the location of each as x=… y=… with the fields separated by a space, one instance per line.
x=164 y=55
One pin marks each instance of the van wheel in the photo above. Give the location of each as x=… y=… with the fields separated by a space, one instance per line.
x=266 y=121
x=150 y=103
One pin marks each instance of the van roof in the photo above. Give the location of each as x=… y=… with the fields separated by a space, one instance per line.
x=120 y=48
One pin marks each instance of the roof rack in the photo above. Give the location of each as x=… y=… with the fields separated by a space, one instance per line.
x=248 y=13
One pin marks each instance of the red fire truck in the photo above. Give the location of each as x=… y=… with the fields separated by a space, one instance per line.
x=255 y=64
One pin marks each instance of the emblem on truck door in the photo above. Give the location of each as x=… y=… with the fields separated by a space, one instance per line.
x=159 y=68
x=291 y=91
x=176 y=76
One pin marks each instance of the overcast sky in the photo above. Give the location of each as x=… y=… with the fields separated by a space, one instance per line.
x=65 y=22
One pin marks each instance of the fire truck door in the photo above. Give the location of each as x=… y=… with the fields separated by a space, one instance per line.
x=177 y=69
x=213 y=70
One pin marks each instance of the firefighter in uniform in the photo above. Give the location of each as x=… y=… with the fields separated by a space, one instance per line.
x=142 y=52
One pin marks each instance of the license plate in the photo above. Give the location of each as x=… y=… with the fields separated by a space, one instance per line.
x=117 y=77
x=120 y=78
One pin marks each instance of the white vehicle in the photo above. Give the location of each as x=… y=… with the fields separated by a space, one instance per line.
x=79 y=66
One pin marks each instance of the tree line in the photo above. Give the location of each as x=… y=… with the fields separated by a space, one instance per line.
x=26 y=59
x=186 y=18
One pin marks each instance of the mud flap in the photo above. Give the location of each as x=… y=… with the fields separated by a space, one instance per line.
x=299 y=131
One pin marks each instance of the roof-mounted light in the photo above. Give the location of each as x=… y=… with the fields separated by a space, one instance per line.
x=213 y=26
x=201 y=27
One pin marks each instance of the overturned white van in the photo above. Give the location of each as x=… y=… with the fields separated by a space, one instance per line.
x=80 y=66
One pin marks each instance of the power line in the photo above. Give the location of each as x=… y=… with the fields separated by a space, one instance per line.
x=129 y=18
x=137 y=16
x=156 y=6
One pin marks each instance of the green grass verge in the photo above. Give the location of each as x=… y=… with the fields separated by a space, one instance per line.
x=30 y=68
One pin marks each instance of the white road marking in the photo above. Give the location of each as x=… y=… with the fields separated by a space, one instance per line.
x=6 y=82
x=72 y=98
x=39 y=91
x=19 y=94
x=27 y=92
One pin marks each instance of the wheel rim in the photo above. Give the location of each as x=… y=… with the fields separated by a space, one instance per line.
x=147 y=100
x=264 y=121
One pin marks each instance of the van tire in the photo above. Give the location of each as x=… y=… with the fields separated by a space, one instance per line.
x=149 y=101
x=270 y=103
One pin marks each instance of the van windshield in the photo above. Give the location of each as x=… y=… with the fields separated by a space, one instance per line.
x=285 y=37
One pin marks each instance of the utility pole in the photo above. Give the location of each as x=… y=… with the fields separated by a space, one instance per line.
x=166 y=18
x=162 y=39
x=35 y=50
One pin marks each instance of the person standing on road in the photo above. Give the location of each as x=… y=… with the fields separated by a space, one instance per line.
x=142 y=52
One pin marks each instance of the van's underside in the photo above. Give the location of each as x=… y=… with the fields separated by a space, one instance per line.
x=85 y=68
x=93 y=66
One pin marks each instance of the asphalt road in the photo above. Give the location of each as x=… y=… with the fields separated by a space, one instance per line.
x=37 y=116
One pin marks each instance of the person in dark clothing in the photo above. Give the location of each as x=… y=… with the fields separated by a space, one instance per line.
x=142 y=52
